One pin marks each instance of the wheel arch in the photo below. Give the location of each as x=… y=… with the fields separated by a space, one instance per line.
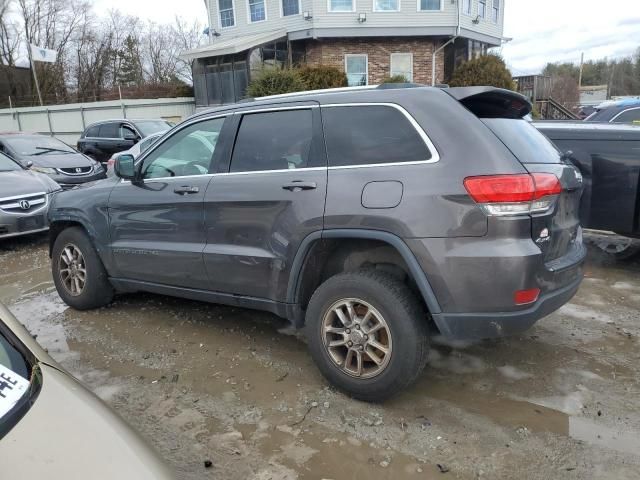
x=303 y=261
x=58 y=225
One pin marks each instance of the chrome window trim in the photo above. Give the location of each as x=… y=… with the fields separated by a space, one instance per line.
x=435 y=155
x=624 y=111
x=231 y=174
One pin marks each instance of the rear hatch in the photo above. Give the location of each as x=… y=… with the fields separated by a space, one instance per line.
x=555 y=230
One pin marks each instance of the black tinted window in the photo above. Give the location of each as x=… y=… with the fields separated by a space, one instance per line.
x=109 y=130
x=630 y=116
x=273 y=141
x=524 y=140
x=371 y=135
x=93 y=131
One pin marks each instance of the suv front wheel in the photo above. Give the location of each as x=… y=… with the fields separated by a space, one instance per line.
x=78 y=273
x=367 y=333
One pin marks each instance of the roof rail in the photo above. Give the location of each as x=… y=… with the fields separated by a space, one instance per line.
x=312 y=92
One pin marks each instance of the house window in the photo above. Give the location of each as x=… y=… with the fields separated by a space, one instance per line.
x=466 y=7
x=227 y=17
x=430 y=4
x=482 y=8
x=402 y=64
x=341 y=5
x=257 y=11
x=290 y=7
x=357 y=69
x=495 y=13
x=386 y=5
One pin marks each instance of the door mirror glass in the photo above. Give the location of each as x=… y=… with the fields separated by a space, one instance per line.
x=125 y=167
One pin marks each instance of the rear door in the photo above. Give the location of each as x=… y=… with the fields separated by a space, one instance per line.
x=157 y=226
x=261 y=206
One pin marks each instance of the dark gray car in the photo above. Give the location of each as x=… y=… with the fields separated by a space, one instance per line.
x=366 y=216
x=50 y=156
x=25 y=197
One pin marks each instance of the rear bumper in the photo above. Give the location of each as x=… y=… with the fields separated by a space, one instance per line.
x=470 y=326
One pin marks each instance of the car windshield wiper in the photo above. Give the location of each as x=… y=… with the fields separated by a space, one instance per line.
x=49 y=150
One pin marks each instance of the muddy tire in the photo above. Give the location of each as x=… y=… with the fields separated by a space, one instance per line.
x=618 y=248
x=367 y=333
x=78 y=272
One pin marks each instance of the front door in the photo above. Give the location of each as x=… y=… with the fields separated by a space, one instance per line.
x=157 y=226
x=267 y=201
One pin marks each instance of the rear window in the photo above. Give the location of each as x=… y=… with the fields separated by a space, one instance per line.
x=93 y=132
x=369 y=135
x=109 y=130
x=524 y=140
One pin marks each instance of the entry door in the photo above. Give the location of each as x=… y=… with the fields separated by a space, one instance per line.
x=157 y=227
x=270 y=199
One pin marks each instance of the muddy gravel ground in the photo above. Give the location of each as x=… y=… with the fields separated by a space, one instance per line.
x=237 y=388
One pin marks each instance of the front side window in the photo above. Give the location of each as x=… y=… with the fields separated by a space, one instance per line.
x=273 y=141
x=257 y=11
x=402 y=64
x=371 y=135
x=628 y=116
x=290 y=7
x=495 y=14
x=430 y=4
x=482 y=8
x=356 y=67
x=386 y=5
x=466 y=7
x=187 y=153
x=341 y=5
x=227 y=16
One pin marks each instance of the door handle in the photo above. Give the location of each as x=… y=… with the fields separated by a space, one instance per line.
x=186 y=190
x=298 y=185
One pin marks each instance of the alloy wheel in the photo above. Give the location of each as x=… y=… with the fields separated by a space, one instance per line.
x=72 y=269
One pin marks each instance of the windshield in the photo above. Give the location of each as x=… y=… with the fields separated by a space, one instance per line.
x=149 y=127
x=524 y=140
x=8 y=165
x=30 y=145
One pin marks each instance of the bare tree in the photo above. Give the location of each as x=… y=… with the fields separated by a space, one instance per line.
x=188 y=37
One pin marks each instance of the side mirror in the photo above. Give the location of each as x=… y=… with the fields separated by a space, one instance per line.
x=28 y=164
x=125 y=167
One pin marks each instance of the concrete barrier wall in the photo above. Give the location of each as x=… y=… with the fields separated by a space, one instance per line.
x=67 y=122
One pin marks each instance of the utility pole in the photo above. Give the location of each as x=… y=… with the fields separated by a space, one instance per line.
x=581 y=66
x=33 y=69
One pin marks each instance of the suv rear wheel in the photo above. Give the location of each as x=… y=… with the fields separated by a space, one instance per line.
x=367 y=333
x=78 y=273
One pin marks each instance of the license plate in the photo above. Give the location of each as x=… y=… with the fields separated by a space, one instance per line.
x=12 y=388
x=30 y=223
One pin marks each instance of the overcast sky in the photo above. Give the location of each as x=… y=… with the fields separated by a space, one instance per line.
x=542 y=30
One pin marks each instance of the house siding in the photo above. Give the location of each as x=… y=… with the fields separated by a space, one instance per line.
x=332 y=52
x=407 y=17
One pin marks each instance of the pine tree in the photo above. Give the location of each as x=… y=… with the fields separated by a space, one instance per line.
x=131 y=71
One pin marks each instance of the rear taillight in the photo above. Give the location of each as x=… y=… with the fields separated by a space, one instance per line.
x=514 y=194
x=525 y=297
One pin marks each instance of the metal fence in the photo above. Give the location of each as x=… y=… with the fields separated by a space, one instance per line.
x=67 y=122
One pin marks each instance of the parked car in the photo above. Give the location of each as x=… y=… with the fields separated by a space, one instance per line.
x=52 y=157
x=621 y=111
x=25 y=197
x=135 y=151
x=102 y=139
x=608 y=157
x=361 y=214
x=52 y=427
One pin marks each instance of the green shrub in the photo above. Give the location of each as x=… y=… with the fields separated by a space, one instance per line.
x=322 y=76
x=487 y=70
x=396 y=79
x=274 y=81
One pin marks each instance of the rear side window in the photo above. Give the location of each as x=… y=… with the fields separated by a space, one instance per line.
x=371 y=135
x=524 y=140
x=628 y=116
x=93 y=132
x=109 y=130
x=273 y=141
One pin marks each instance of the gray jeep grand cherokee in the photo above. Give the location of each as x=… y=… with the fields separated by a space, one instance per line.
x=365 y=215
